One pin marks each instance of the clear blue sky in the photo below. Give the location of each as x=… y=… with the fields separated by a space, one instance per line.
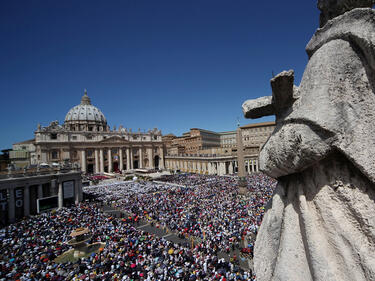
x=170 y=64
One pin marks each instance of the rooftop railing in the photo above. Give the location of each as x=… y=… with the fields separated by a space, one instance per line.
x=36 y=172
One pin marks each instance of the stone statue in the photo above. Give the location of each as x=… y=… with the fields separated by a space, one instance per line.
x=320 y=224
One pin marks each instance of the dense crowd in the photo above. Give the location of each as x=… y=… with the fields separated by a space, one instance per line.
x=204 y=206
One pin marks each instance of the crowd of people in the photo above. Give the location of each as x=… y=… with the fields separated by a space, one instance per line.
x=207 y=207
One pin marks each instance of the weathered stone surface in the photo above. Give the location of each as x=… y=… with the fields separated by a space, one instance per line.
x=333 y=8
x=282 y=92
x=258 y=107
x=321 y=225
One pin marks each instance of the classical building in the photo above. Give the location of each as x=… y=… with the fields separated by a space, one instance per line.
x=192 y=142
x=190 y=152
x=28 y=192
x=85 y=138
x=23 y=154
x=199 y=141
x=255 y=135
x=4 y=159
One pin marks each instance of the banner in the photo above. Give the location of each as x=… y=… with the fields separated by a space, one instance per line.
x=68 y=188
x=18 y=202
x=3 y=207
x=47 y=203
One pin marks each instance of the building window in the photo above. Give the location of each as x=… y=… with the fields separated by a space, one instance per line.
x=74 y=137
x=155 y=137
x=54 y=154
x=53 y=136
x=89 y=137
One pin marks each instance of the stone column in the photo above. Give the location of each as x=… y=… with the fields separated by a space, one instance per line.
x=101 y=160
x=40 y=191
x=109 y=156
x=26 y=201
x=199 y=167
x=161 y=158
x=140 y=158
x=127 y=158
x=256 y=166
x=97 y=169
x=11 y=206
x=76 y=192
x=209 y=168
x=131 y=159
x=150 y=157
x=80 y=192
x=230 y=167
x=221 y=168
x=121 y=159
x=83 y=161
x=60 y=196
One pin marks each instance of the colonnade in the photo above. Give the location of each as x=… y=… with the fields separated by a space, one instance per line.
x=135 y=158
x=211 y=167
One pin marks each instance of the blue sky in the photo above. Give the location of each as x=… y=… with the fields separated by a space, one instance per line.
x=170 y=64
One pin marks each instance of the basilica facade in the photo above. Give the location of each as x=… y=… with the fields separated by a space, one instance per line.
x=86 y=139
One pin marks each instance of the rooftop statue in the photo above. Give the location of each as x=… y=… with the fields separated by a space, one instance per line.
x=321 y=223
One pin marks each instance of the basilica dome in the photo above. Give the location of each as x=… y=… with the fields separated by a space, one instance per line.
x=85 y=113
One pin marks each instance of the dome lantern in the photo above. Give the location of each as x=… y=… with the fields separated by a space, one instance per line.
x=85 y=99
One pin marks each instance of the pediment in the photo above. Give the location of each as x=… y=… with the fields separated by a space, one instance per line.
x=114 y=139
